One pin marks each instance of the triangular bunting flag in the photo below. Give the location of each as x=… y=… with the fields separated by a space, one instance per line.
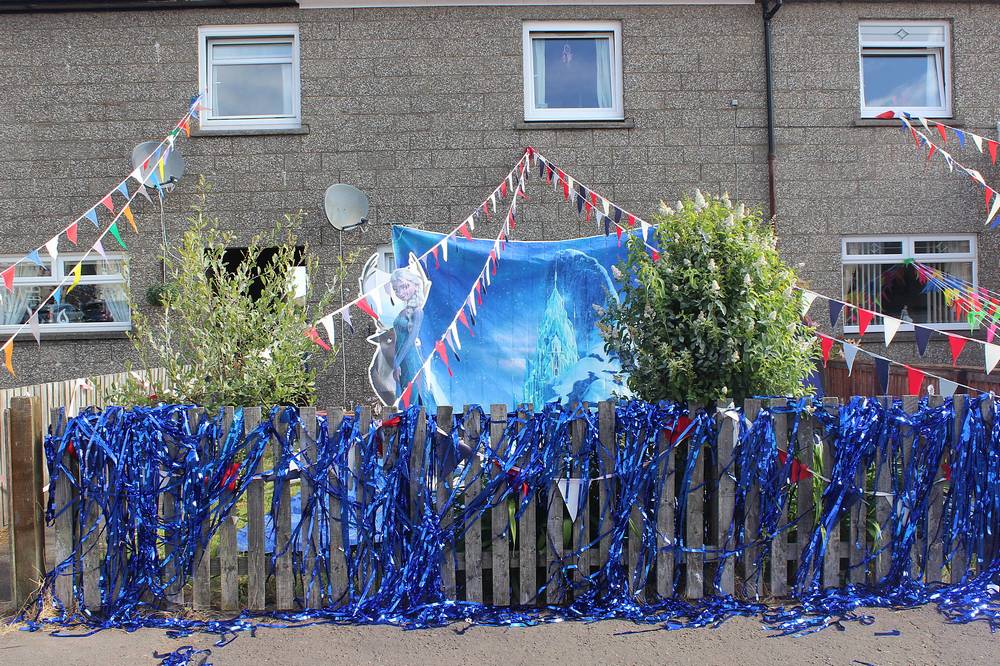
x=92 y=216
x=943 y=132
x=405 y=397
x=8 y=278
x=52 y=247
x=71 y=233
x=8 y=356
x=957 y=344
x=77 y=272
x=366 y=307
x=453 y=330
x=645 y=230
x=992 y=146
x=864 y=318
x=914 y=380
x=33 y=326
x=922 y=334
x=108 y=203
x=443 y=353
x=807 y=300
x=35 y=258
x=574 y=494
x=99 y=249
x=889 y=326
x=123 y=188
x=113 y=230
x=825 y=345
x=444 y=249
x=142 y=190
x=463 y=229
x=313 y=335
x=992 y=354
x=462 y=318
x=327 y=323
x=850 y=353
x=947 y=388
x=57 y=296
x=882 y=374
x=994 y=210
x=835 y=309
x=991 y=332
x=978 y=140
x=346 y=316
x=127 y=212
x=961 y=137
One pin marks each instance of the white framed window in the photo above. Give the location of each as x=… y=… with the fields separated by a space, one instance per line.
x=878 y=276
x=99 y=302
x=250 y=76
x=905 y=66
x=572 y=70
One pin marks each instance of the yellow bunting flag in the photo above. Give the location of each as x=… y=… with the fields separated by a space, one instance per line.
x=128 y=216
x=8 y=356
x=77 y=272
x=159 y=167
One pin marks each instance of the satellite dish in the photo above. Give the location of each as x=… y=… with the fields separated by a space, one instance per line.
x=346 y=206
x=173 y=166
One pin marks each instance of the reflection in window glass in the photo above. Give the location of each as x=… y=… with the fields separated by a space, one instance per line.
x=874 y=247
x=894 y=288
x=941 y=246
x=253 y=90
x=902 y=80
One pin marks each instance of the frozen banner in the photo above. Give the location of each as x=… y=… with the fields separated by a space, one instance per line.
x=533 y=337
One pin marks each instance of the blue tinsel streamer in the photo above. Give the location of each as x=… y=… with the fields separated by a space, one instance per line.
x=131 y=462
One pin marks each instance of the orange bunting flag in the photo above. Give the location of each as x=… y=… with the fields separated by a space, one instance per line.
x=128 y=216
x=914 y=380
x=186 y=126
x=8 y=356
x=957 y=344
x=71 y=233
x=864 y=318
x=825 y=345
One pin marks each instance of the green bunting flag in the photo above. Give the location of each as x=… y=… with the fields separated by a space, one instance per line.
x=118 y=237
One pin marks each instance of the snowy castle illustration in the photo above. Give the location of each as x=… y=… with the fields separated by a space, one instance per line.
x=555 y=350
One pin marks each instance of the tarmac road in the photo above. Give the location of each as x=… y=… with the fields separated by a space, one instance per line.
x=923 y=638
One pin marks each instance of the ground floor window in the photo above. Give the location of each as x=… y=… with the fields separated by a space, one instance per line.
x=98 y=301
x=878 y=275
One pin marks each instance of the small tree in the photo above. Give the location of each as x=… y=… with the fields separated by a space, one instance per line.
x=229 y=334
x=715 y=316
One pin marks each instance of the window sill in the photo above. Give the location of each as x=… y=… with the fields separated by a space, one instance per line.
x=894 y=122
x=627 y=123
x=263 y=131
x=57 y=336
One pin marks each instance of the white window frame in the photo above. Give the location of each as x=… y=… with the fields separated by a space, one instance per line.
x=911 y=44
x=248 y=34
x=574 y=29
x=61 y=270
x=908 y=241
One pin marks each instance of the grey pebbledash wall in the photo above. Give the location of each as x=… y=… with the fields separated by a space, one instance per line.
x=422 y=108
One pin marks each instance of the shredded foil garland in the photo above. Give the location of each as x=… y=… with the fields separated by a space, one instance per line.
x=127 y=462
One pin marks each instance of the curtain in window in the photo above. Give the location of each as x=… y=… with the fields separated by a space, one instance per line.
x=14 y=307
x=604 y=73
x=538 y=71
x=117 y=302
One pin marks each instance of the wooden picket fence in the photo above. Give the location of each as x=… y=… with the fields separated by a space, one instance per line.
x=487 y=565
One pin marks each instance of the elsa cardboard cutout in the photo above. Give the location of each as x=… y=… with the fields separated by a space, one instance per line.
x=399 y=354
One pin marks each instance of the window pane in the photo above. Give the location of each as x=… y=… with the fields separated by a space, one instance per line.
x=97 y=267
x=253 y=90
x=896 y=290
x=572 y=72
x=250 y=51
x=909 y=79
x=861 y=248
x=87 y=304
x=941 y=246
x=28 y=269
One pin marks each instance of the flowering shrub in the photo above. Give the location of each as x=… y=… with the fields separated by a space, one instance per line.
x=715 y=316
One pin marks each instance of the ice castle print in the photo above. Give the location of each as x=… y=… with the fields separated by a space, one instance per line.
x=555 y=350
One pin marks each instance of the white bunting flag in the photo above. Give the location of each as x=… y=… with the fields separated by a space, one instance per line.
x=573 y=492
x=889 y=326
x=993 y=209
x=327 y=323
x=145 y=193
x=807 y=300
x=992 y=353
x=453 y=331
x=471 y=222
x=923 y=121
x=607 y=207
x=978 y=141
x=444 y=248
x=947 y=387
x=644 y=225
x=471 y=302
x=977 y=176
x=99 y=249
x=850 y=353
x=33 y=325
x=53 y=247
x=510 y=180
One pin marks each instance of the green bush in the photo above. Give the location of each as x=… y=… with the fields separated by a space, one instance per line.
x=229 y=335
x=715 y=317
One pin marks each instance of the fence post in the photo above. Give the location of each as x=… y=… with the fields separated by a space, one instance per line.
x=695 y=519
x=27 y=535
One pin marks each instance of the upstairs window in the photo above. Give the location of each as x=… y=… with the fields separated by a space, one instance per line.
x=572 y=71
x=877 y=277
x=906 y=66
x=250 y=75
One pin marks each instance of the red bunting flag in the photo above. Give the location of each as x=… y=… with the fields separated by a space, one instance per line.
x=988 y=194
x=503 y=188
x=992 y=145
x=914 y=380
x=313 y=335
x=798 y=472
x=656 y=255
x=464 y=230
x=8 y=278
x=618 y=230
x=442 y=352
x=462 y=318
x=434 y=251
x=493 y=262
x=479 y=292
x=825 y=345
x=71 y=233
x=486 y=210
x=886 y=115
x=186 y=126
x=593 y=198
x=510 y=219
x=548 y=174
x=365 y=307
x=864 y=318
x=930 y=153
x=108 y=203
x=916 y=137
x=405 y=398
x=943 y=131
x=631 y=220
x=957 y=344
